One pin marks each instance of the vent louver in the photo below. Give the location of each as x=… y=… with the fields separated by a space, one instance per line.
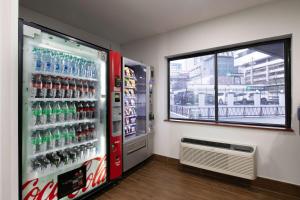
x=219 y=157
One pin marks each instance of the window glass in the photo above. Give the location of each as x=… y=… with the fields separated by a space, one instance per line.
x=246 y=85
x=192 y=91
x=251 y=85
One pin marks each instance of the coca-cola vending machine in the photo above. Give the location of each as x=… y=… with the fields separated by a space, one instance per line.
x=63 y=115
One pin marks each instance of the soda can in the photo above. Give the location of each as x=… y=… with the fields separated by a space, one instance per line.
x=64 y=157
x=36 y=165
x=45 y=163
x=72 y=155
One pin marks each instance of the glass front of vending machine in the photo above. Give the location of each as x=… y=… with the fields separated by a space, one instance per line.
x=63 y=94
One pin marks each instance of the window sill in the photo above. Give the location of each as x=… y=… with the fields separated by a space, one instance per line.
x=232 y=125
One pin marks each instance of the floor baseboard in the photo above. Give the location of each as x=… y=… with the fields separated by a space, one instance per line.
x=259 y=182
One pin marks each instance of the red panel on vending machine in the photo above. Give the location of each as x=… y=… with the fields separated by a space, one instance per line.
x=115 y=115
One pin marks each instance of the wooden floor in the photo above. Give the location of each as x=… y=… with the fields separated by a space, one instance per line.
x=160 y=181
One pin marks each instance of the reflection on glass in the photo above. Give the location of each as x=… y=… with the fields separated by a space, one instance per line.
x=192 y=88
x=251 y=86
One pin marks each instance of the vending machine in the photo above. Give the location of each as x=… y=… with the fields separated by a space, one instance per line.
x=115 y=115
x=137 y=112
x=63 y=105
x=131 y=118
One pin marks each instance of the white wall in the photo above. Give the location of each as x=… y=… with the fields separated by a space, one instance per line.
x=49 y=22
x=278 y=152
x=9 y=99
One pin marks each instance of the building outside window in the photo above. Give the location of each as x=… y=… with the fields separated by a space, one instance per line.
x=246 y=85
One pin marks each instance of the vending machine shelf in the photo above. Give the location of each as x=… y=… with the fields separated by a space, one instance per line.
x=64 y=76
x=46 y=126
x=62 y=99
x=62 y=148
x=60 y=169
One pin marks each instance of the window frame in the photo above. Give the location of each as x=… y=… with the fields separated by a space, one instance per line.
x=287 y=81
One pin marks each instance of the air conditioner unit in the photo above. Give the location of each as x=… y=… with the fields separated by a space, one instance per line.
x=232 y=159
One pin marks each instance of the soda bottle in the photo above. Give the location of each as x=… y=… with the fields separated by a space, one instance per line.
x=41 y=91
x=57 y=137
x=72 y=134
x=85 y=89
x=86 y=108
x=42 y=118
x=93 y=110
x=65 y=87
x=45 y=83
x=92 y=131
x=92 y=89
x=56 y=87
x=35 y=114
x=33 y=88
x=79 y=133
x=48 y=87
x=81 y=110
x=61 y=92
x=57 y=112
x=72 y=110
x=72 y=88
x=86 y=133
x=40 y=145
x=65 y=135
x=36 y=141
x=37 y=59
x=65 y=110
x=79 y=89
x=62 y=136
x=48 y=139
x=47 y=112
x=46 y=59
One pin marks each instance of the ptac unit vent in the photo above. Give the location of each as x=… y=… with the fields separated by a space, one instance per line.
x=231 y=159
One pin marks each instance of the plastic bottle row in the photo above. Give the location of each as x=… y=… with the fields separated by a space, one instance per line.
x=57 y=87
x=48 y=139
x=54 y=112
x=55 y=160
x=51 y=61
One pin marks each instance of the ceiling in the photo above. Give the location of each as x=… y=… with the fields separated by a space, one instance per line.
x=123 y=21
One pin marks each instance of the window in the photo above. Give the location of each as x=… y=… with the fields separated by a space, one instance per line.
x=249 y=84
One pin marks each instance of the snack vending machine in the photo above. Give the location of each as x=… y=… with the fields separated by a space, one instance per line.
x=63 y=117
x=137 y=113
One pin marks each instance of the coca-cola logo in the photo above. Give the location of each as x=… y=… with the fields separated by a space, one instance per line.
x=37 y=189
